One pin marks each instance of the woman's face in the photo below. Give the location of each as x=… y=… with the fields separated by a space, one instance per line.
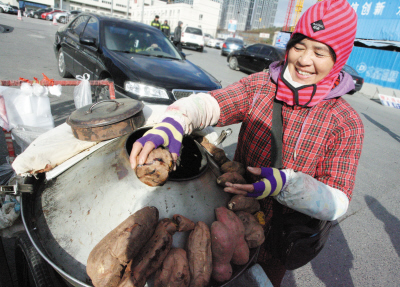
x=309 y=61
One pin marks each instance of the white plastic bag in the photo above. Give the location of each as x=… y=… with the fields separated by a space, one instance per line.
x=82 y=92
x=28 y=106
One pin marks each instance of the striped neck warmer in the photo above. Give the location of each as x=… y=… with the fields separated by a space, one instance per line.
x=334 y=23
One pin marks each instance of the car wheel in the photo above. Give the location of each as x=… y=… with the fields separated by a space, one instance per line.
x=32 y=270
x=102 y=93
x=201 y=49
x=62 y=20
x=36 y=16
x=1 y=10
x=233 y=63
x=62 y=67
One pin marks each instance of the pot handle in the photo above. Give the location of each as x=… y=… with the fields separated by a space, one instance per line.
x=91 y=108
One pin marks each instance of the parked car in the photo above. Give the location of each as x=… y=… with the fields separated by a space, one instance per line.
x=38 y=13
x=357 y=79
x=141 y=61
x=219 y=43
x=44 y=15
x=65 y=17
x=4 y=8
x=255 y=58
x=207 y=37
x=192 y=37
x=13 y=10
x=213 y=42
x=231 y=44
x=28 y=11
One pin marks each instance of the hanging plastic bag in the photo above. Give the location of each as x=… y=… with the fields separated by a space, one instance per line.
x=6 y=173
x=82 y=92
x=9 y=212
x=28 y=106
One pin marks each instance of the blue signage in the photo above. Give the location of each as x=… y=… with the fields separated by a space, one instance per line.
x=281 y=39
x=377 y=66
x=377 y=20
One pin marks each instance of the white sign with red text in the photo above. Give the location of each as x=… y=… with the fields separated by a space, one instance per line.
x=390 y=101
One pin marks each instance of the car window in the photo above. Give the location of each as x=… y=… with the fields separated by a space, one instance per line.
x=349 y=70
x=234 y=40
x=266 y=51
x=92 y=29
x=195 y=31
x=78 y=25
x=253 y=49
x=127 y=38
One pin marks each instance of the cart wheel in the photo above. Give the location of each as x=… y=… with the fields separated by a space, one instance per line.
x=102 y=93
x=32 y=269
x=62 y=67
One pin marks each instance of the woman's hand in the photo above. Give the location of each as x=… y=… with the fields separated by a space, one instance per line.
x=272 y=182
x=168 y=133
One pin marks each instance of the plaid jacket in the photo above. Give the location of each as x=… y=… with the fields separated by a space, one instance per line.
x=330 y=144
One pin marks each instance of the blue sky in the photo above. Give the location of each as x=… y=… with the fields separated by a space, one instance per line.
x=282 y=7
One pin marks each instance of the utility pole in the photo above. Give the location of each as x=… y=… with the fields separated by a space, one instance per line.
x=141 y=20
x=112 y=8
x=127 y=10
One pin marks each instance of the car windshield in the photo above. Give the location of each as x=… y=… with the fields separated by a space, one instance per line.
x=122 y=37
x=195 y=31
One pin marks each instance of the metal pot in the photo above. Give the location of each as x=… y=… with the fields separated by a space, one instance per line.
x=67 y=216
x=106 y=119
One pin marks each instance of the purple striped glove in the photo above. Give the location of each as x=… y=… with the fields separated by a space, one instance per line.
x=272 y=183
x=168 y=133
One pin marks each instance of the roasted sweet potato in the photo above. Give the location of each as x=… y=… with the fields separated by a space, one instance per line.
x=175 y=270
x=151 y=255
x=222 y=247
x=241 y=253
x=233 y=166
x=184 y=224
x=110 y=256
x=244 y=203
x=199 y=255
x=156 y=169
x=232 y=177
x=219 y=155
x=254 y=232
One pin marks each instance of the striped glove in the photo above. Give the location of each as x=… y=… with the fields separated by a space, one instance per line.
x=272 y=183
x=168 y=133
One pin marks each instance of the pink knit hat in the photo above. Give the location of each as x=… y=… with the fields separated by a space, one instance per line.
x=334 y=23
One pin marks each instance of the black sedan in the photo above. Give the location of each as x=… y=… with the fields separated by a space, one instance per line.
x=357 y=79
x=141 y=61
x=255 y=58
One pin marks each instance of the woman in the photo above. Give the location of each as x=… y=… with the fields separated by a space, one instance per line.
x=322 y=134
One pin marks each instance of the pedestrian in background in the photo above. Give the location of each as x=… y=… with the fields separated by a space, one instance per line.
x=177 y=36
x=165 y=29
x=155 y=22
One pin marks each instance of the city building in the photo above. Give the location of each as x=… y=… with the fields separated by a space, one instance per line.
x=249 y=14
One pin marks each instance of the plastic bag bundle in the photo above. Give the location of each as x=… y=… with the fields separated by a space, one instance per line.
x=82 y=92
x=9 y=212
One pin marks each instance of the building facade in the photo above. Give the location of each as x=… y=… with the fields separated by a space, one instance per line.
x=250 y=14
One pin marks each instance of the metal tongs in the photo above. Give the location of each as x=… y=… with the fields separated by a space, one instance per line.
x=224 y=134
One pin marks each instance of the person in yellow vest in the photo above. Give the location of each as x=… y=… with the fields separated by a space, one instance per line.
x=155 y=22
x=165 y=29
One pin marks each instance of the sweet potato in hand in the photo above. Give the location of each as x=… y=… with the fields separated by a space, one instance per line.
x=244 y=203
x=233 y=166
x=175 y=270
x=110 y=256
x=199 y=255
x=184 y=224
x=151 y=255
x=219 y=155
x=155 y=171
x=222 y=246
x=254 y=232
x=241 y=253
x=232 y=177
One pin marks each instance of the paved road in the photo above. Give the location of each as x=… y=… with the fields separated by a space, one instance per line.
x=363 y=249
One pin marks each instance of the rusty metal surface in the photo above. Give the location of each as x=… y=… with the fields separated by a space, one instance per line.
x=77 y=209
x=104 y=113
x=114 y=130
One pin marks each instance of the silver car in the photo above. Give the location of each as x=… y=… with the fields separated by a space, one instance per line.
x=65 y=17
